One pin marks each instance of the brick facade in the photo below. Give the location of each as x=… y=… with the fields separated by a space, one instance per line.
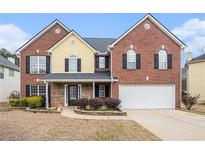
x=43 y=43
x=146 y=43
x=58 y=96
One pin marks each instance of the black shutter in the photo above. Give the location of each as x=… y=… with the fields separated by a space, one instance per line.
x=156 y=61
x=27 y=90
x=107 y=61
x=124 y=61
x=107 y=90
x=47 y=64
x=169 y=60
x=27 y=64
x=97 y=62
x=66 y=65
x=96 y=90
x=138 y=65
x=79 y=65
x=49 y=95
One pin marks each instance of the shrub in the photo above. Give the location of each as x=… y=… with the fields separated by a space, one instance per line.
x=96 y=103
x=189 y=100
x=35 y=101
x=112 y=103
x=14 y=102
x=14 y=95
x=82 y=103
x=23 y=102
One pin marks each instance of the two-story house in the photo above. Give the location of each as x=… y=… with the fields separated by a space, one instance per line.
x=9 y=78
x=141 y=67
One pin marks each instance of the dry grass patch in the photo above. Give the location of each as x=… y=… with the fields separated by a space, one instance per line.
x=20 y=125
x=197 y=109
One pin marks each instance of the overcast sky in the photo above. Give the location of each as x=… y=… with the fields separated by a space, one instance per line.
x=16 y=29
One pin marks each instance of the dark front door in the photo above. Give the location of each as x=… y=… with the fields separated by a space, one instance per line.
x=72 y=95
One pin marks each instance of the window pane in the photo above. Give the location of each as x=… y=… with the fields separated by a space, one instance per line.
x=101 y=91
x=162 y=59
x=73 y=65
x=131 y=65
x=34 y=91
x=11 y=72
x=34 y=60
x=42 y=90
x=34 y=69
x=42 y=68
x=101 y=62
x=1 y=72
x=42 y=60
x=73 y=92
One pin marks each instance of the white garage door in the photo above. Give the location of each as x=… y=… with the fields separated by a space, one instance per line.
x=147 y=96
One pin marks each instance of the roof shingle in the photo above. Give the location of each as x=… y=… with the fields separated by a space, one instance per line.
x=6 y=63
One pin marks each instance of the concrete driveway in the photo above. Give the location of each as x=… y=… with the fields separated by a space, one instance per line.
x=171 y=125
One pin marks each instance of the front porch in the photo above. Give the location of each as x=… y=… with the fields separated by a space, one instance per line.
x=66 y=94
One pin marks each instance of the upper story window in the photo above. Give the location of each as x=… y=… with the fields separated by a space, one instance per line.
x=11 y=72
x=1 y=72
x=162 y=59
x=37 y=64
x=131 y=59
x=101 y=62
x=72 y=63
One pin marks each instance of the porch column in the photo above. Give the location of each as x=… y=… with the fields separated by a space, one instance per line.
x=93 y=89
x=47 y=106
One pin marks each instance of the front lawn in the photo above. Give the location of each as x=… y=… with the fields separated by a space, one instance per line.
x=198 y=109
x=20 y=125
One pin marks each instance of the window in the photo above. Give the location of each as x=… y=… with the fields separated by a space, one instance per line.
x=38 y=64
x=101 y=90
x=72 y=63
x=38 y=90
x=73 y=92
x=1 y=72
x=131 y=59
x=162 y=59
x=101 y=62
x=11 y=72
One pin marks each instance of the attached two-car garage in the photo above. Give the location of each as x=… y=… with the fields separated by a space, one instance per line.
x=147 y=96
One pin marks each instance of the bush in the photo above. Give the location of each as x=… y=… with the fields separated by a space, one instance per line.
x=24 y=102
x=96 y=103
x=112 y=103
x=82 y=103
x=15 y=103
x=35 y=101
x=14 y=95
x=189 y=100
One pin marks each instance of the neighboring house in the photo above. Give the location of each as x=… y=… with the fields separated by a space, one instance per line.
x=184 y=79
x=196 y=76
x=9 y=77
x=141 y=67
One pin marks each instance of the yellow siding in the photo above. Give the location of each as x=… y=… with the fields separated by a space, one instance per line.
x=65 y=49
x=196 y=79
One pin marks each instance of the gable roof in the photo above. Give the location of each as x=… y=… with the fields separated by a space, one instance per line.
x=197 y=59
x=40 y=34
x=6 y=63
x=158 y=24
x=67 y=36
x=100 y=44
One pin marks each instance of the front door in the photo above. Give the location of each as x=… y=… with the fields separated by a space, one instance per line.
x=72 y=95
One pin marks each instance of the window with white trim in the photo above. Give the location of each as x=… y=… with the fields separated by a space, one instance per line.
x=37 y=64
x=162 y=59
x=101 y=90
x=72 y=63
x=1 y=72
x=11 y=72
x=101 y=62
x=131 y=59
x=37 y=90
